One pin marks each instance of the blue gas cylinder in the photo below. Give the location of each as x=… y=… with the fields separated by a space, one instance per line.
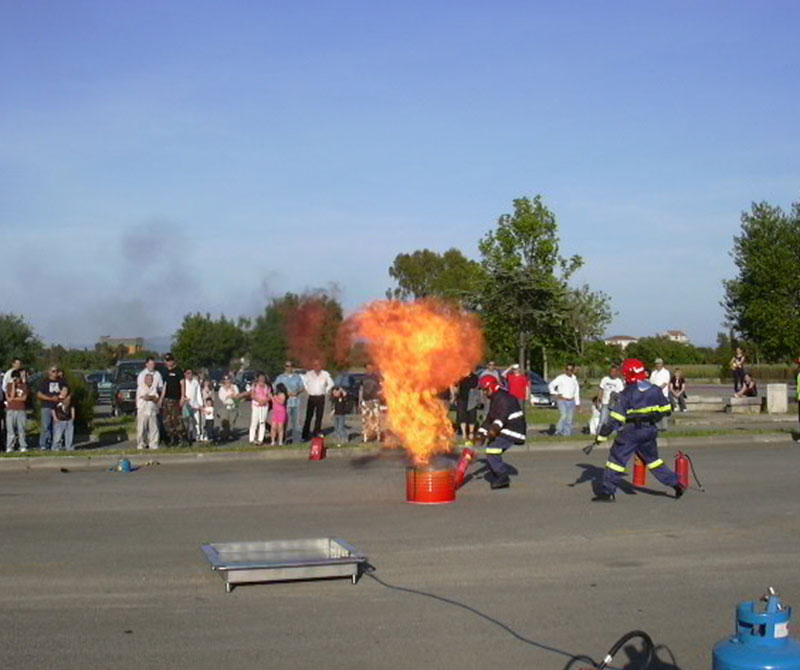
x=762 y=639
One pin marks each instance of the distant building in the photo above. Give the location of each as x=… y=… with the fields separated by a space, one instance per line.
x=621 y=340
x=676 y=336
x=134 y=345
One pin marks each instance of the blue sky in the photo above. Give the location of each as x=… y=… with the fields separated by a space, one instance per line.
x=158 y=158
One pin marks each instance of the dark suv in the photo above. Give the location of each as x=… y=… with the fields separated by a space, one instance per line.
x=123 y=389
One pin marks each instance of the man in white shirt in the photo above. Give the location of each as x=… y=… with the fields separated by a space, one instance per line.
x=567 y=392
x=318 y=384
x=661 y=377
x=16 y=364
x=147 y=395
x=611 y=383
x=150 y=369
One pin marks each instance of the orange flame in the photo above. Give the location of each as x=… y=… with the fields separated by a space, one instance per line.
x=421 y=348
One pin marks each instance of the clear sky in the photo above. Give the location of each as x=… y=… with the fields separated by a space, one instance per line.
x=163 y=157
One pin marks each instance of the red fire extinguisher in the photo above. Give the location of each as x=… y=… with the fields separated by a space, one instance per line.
x=682 y=469
x=639 y=471
x=317 y=450
x=463 y=463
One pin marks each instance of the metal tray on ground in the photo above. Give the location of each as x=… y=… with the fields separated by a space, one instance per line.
x=282 y=560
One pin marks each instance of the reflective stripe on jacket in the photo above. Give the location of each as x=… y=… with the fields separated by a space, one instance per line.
x=639 y=403
x=506 y=413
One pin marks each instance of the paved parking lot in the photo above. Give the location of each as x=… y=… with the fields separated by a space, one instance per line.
x=105 y=570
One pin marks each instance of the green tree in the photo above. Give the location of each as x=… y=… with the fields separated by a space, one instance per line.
x=762 y=303
x=301 y=327
x=205 y=342
x=524 y=299
x=268 y=345
x=425 y=273
x=17 y=340
x=587 y=315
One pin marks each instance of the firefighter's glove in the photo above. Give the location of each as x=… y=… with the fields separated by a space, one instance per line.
x=494 y=431
x=600 y=438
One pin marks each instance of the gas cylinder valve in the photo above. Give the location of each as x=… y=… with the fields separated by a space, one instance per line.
x=762 y=639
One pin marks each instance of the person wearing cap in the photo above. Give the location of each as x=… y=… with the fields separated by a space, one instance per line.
x=171 y=401
x=661 y=378
x=293 y=383
x=503 y=427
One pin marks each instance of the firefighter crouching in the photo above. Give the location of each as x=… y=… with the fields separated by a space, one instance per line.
x=504 y=427
x=638 y=408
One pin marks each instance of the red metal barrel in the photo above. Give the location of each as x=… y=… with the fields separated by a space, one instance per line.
x=430 y=487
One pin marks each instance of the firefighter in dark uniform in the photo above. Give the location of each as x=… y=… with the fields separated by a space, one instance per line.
x=503 y=427
x=634 y=416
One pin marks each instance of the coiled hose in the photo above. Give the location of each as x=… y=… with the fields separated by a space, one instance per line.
x=648 y=649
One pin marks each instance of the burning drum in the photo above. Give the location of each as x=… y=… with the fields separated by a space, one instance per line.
x=430 y=485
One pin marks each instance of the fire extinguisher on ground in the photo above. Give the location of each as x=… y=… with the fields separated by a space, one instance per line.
x=317 y=450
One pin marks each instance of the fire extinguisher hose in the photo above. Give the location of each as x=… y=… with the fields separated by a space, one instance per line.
x=648 y=647
x=694 y=473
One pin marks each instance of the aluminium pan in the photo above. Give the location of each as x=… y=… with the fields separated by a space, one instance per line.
x=282 y=560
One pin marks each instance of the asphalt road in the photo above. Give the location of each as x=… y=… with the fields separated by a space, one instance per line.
x=103 y=570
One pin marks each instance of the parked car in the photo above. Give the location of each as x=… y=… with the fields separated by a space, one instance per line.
x=102 y=383
x=540 y=391
x=123 y=389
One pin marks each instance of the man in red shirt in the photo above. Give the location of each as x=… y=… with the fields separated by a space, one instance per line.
x=518 y=383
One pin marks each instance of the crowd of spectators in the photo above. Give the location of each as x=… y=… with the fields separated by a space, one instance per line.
x=56 y=413
x=177 y=407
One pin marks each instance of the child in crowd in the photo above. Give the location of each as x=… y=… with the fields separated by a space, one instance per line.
x=594 y=422
x=279 y=415
x=63 y=421
x=189 y=424
x=209 y=434
x=341 y=405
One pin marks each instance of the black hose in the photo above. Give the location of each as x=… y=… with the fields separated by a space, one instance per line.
x=648 y=646
x=369 y=571
x=694 y=474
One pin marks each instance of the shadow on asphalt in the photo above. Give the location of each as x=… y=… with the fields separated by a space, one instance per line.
x=594 y=475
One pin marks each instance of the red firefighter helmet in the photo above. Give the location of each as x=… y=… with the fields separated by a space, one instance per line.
x=633 y=370
x=489 y=383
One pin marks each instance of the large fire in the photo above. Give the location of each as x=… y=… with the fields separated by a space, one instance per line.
x=421 y=349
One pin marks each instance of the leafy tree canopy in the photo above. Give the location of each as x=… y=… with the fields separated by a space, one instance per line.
x=425 y=273
x=762 y=303
x=525 y=299
x=17 y=340
x=203 y=342
x=300 y=327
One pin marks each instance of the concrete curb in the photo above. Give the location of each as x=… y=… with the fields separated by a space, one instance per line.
x=101 y=461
